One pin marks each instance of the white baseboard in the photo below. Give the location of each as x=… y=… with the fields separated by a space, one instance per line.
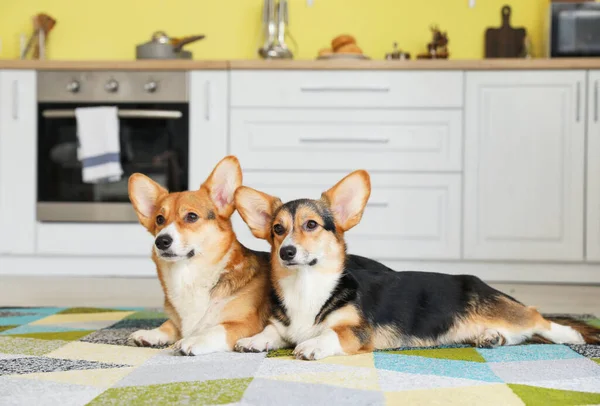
x=508 y=272
x=143 y=267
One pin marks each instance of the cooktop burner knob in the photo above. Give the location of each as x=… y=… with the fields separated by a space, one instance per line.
x=111 y=86
x=151 y=87
x=73 y=86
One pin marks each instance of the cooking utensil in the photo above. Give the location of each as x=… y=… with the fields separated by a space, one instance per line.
x=282 y=17
x=269 y=28
x=275 y=23
x=42 y=25
x=506 y=41
x=161 y=46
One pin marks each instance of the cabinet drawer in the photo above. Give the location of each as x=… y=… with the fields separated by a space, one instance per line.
x=93 y=239
x=346 y=89
x=347 y=139
x=409 y=216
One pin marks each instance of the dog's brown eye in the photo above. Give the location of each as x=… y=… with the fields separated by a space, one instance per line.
x=160 y=220
x=278 y=229
x=311 y=225
x=191 y=218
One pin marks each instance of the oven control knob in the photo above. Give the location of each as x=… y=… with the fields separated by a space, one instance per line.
x=111 y=86
x=73 y=86
x=151 y=87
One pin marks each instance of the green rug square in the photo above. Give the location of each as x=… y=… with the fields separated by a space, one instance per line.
x=59 y=335
x=217 y=392
x=28 y=346
x=80 y=310
x=594 y=322
x=455 y=354
x=283 y=352
x=144 y=314
x=536 y=396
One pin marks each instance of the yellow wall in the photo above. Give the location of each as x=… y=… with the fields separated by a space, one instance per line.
x=110 y=29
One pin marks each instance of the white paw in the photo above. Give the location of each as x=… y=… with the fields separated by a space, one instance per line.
x=200 y=344
x=258 y=343
x=318 y=348
x=149 y=338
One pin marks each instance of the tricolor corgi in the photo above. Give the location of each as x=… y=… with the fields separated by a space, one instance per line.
x=215 y=289
x=326 y=302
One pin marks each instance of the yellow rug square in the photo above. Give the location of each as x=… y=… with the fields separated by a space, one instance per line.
x=488 y=395
x=84 y=317
x=99 y=378
x=365 y=379
x=104 y=353
x=360 y=360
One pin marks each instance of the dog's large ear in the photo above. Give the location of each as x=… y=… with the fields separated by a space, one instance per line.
x=348 y=198
x=144 y=194
x=256 y=209
x=222 y=183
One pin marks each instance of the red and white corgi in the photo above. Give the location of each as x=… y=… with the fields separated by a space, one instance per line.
x=216 y=290
x=326 y=302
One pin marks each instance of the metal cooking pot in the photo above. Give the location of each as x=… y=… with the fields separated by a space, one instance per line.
x=161 y=46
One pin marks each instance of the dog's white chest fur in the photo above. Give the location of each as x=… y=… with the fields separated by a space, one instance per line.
x=304 y=294
x=189 y=290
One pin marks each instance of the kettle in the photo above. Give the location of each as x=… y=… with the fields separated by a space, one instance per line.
x=161 y=46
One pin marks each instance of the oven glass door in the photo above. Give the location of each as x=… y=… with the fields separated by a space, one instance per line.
x=154 y=140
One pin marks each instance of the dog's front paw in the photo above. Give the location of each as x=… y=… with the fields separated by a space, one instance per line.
x=200 y=344
x=268 y=339
x=149 y=338
x=252 y=344
x=265 y=341
x=317 y=348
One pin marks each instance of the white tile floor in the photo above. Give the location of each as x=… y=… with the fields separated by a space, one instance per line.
x=146 y=292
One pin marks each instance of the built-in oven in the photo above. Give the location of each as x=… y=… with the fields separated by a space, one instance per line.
x=153 y=114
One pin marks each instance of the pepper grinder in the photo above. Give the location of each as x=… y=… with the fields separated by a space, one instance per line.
x=396 y=54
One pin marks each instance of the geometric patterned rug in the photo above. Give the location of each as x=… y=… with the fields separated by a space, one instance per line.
x=80 y=356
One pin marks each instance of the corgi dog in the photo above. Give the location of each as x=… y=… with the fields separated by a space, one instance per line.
x=326 y=302
x=215 y=289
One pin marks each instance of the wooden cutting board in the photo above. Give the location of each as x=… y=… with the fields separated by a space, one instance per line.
x=506 y=41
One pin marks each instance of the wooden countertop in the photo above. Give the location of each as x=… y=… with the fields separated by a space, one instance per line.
x=152 y=65
x=167 y=65
x=456 y=64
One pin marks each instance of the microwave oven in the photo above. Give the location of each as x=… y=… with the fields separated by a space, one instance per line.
x=574 y=29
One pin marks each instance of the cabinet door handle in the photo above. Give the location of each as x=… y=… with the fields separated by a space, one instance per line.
x=578 y=101
x=333 y=89
x=596 y=101
x=344 y=140
x=207 y=100
x=15 y=100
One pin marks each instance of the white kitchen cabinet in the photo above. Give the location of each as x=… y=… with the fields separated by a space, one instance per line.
x=408 y=216
x=593 y=168
x=348 y=139
x=345 y=89
x=524 y=165
x=209 y=120
x=18 y=161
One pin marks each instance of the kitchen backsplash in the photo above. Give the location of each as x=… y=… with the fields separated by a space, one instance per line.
x=110 y=29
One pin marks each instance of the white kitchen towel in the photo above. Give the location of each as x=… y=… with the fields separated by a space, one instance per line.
x=99 y=148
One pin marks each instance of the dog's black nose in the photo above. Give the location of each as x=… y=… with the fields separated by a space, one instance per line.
x=163 y=242
x=287 y=253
